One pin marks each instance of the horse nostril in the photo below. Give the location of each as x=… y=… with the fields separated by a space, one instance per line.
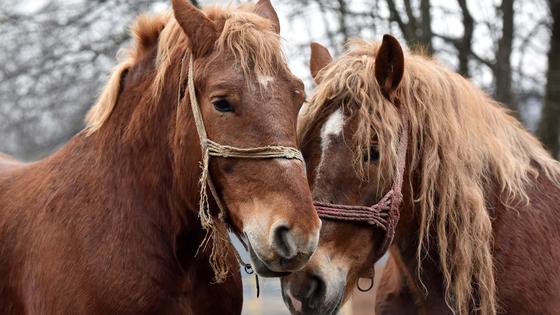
x=283 y=242
x=316 y=292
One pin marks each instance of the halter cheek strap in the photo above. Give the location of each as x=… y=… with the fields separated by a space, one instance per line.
x=211 y=148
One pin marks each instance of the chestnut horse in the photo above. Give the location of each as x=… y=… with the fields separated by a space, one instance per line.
x=479 y=221
x=110 y=223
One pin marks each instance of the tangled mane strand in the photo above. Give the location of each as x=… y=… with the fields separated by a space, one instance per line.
x=100 y=112
x=248 y=37
x=461 y=140
x=145 y=31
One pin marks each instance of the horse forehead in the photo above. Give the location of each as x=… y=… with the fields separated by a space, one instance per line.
x=332 y=128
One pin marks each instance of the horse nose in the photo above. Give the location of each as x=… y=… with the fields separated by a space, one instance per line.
x=316 y=292
x=283 y=242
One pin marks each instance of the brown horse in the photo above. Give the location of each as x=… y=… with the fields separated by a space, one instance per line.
x=110 y=223
x=479 y=221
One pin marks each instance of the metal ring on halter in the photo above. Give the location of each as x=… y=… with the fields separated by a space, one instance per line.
x=249 y=269
x=368 y=288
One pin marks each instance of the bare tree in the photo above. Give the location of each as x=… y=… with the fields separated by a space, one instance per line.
x=464 y=46
x=416 y=29
x=56 y=58
x=549 y=128
x=502 y=67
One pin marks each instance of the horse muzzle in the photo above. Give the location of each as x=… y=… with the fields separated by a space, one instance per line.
x=305 y=293
x=283 y=251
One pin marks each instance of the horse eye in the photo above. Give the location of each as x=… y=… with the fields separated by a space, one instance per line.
x=222 y=105
x=373 y=155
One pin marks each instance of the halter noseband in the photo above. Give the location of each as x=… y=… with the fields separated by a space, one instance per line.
x=384 y=214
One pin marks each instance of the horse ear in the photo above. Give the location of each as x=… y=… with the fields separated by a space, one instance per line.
x=320 y=58
x=264 y=8
x=389 y=65
x=200 y=30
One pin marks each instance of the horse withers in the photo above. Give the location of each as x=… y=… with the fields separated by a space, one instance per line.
x=112 y=223
x=478 y=221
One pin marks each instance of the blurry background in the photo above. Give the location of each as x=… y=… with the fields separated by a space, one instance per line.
x=56 y=54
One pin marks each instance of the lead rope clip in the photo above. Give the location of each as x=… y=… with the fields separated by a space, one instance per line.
x=250 y=271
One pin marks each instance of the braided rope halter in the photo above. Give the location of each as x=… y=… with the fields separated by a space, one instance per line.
x=384 y=215
x=209 y=149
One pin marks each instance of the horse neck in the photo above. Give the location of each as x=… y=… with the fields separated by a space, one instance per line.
x=135 y=149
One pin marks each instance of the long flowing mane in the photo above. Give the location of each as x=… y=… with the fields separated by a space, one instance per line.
x=249 y=37
x=461 y=140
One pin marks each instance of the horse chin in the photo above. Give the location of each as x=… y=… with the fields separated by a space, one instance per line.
x=262 y=269
x=321 y=311
x=269 y=263
x=297 y=307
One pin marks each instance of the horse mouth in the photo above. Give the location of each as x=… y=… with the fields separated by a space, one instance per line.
x=306 y=311
x=262 y=269
x=297 y=307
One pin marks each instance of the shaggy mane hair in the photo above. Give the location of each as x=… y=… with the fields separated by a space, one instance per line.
x=248 y=37
x=460 y=141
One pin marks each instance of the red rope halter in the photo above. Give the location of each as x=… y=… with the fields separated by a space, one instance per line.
x=384 y=214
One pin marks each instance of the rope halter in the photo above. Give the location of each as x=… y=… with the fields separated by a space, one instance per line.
x=210 y=148
x=384 y=214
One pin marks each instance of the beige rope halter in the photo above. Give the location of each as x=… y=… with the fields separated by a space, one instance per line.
x=210 y=148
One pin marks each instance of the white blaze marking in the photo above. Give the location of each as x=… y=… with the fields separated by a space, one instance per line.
x=264 y=80
x=332 y=127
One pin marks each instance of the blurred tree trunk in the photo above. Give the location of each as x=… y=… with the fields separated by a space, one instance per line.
x=502 y=68
x=464 y=45
x=417 y=30
x=340 y=32
x=342 y=14
x=549 y=128
x=426 y=26
x=55 y=56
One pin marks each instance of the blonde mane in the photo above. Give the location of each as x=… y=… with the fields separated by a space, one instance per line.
x=249 y=37
x=461 y=140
